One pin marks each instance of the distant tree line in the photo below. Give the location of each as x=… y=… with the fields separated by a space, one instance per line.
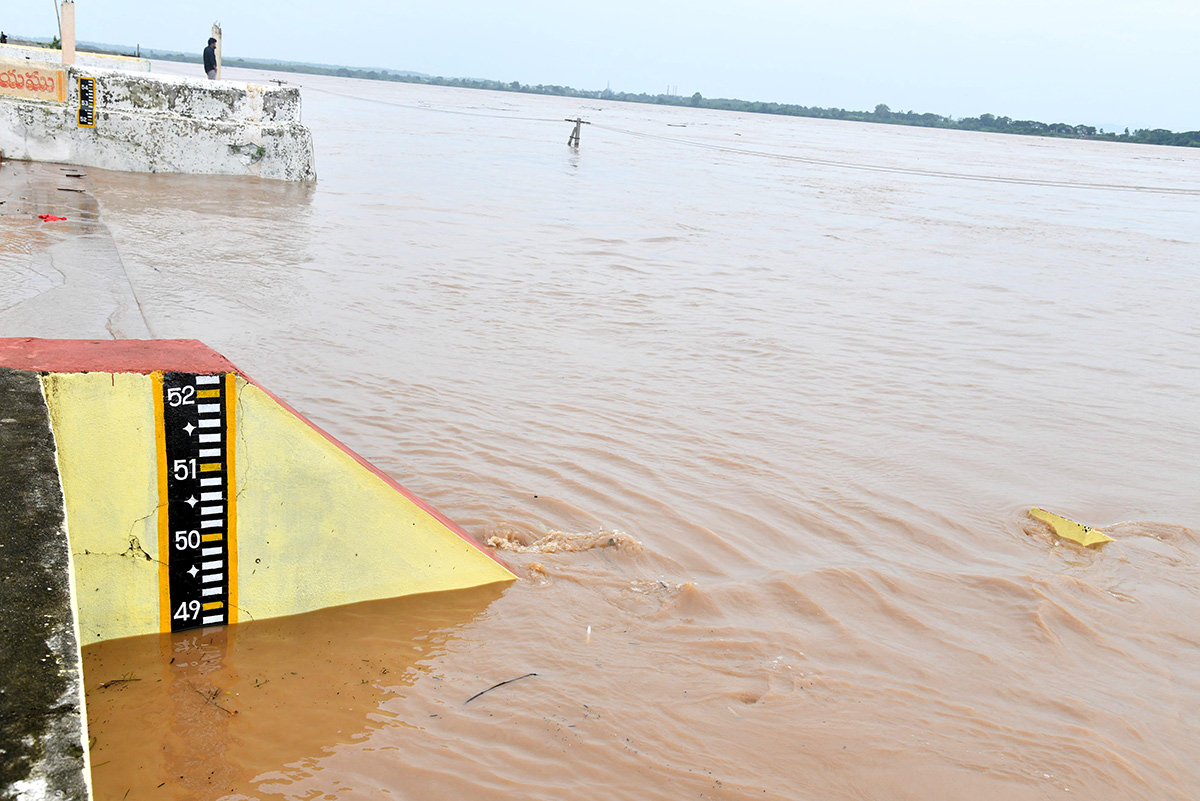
x=882 y=114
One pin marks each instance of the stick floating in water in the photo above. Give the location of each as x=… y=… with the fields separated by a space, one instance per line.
x=1070 y=530
x=494 y=686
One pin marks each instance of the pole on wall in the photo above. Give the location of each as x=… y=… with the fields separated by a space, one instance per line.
x=216 y=34
x=67 y=31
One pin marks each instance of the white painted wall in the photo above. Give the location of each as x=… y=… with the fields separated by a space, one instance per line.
x=147 y=123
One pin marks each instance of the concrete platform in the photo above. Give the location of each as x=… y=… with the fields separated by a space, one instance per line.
x=195 y=496
x=140 y=122
x=88 y=511
x=151 y=487
x=49 y=267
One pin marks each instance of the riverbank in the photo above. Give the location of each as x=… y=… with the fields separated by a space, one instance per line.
x=765 y=412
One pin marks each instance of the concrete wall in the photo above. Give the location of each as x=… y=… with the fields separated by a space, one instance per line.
x=33 y=80
x=146 y=123
x=43 y=731
x=313 y=526
x=87 y=546
x=13 y=52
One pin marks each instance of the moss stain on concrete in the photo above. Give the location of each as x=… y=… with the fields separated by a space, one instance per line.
x=41 y=719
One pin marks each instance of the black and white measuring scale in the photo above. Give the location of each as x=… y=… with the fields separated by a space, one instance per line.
x=196 y=486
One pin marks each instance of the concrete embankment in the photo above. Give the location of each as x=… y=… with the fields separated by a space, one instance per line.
x=171 y=492
x=140 y=122
x=151 y=486
x=167 y=454
x=165 y=486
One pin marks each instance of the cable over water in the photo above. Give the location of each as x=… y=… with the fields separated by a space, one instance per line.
x=961 y=176
x=429 y=108
x=742 y=151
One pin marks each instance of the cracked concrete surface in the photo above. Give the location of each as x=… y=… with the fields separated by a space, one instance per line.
x=62 y=279
x=134 y=551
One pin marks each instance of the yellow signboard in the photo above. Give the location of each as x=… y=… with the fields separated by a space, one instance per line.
x=40 y=82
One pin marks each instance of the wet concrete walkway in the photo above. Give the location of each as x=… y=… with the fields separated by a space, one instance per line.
x=57 y=279
x=49 y=267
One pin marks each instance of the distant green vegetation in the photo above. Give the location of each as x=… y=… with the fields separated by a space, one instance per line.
x=882 y=114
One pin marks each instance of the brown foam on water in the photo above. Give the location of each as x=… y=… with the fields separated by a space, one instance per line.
x=507 y=538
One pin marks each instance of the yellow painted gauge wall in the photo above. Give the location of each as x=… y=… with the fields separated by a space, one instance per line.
x=104 y=432
x=314 y=527
x=317 y=529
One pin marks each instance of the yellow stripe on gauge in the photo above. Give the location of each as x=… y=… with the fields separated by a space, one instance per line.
x=231 y=490
x=164 y=527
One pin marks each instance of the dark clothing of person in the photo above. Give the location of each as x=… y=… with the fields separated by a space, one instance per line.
x=210 y=58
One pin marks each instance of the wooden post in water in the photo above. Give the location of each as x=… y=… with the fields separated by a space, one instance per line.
x=573 y=139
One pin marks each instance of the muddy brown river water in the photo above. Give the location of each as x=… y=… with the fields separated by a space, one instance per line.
x=754 y=406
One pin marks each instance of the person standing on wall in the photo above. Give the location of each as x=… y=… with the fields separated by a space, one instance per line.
x=210 y=60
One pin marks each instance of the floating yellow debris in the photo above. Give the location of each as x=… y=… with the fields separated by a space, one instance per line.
x=1069 y=529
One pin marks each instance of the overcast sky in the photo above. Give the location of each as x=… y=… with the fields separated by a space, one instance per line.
x=1110 y=63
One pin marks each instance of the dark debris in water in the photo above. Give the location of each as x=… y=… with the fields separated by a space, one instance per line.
x=494 y=686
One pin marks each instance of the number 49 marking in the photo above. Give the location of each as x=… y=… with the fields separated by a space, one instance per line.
x=188 y=610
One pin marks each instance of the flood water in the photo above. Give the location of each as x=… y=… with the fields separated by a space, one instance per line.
x=755 y=408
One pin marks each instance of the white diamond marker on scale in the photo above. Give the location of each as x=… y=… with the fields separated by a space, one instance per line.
x=193 y=571
x=189 y=428
x=192 y=501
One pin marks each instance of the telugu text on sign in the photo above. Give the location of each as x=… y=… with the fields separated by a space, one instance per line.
x=28 y=81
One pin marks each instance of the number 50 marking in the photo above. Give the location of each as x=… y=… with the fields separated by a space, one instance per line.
x=187 y=539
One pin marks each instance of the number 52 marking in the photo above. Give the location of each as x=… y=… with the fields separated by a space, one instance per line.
x=180 y=396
